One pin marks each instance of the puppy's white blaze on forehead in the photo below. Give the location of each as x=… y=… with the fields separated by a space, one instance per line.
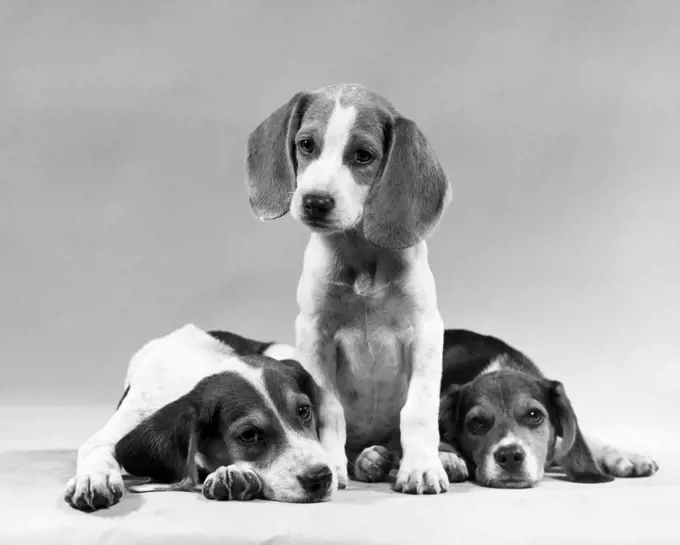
x=338 y=130
x=254 y=376
x=328 y=174
x=323 y=173
x=320 y=174
x=497 y=364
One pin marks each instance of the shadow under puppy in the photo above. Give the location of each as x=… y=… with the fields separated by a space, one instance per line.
x=241 y=439
x=508 y=422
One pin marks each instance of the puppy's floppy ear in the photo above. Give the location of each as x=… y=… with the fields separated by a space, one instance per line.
x=449 y=403
x=163 y=445
x=407 y=200
x=572 y=452
x=270 y=165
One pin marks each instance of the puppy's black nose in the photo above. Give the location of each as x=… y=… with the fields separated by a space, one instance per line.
x=509 y=458
x=317 y=205
x=316 y=480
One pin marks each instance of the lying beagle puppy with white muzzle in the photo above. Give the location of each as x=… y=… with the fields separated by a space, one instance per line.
x=367 y=184
x=502 y=422
x=211 y=407
x=242 y=442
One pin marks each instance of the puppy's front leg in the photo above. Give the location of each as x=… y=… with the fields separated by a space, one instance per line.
x=317 y=351
x=454 y=464
x=98 y=482
x=234 y=482
x=421 y=470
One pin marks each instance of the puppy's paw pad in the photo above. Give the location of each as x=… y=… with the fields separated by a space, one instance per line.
x=93 y=491
x=454 y=466
x=232 y=483
x=422 y=478
x=628 y=464
x=373 y=465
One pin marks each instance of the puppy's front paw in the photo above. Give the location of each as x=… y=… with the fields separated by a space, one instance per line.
x=93 y=491
x=619 y=463
x=421 y=476
x=232 y=483
x=454 y=466
x=373 y=465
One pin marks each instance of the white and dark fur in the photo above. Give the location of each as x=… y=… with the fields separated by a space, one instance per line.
x=189 y=399
x=368 y=185
x=502 y=422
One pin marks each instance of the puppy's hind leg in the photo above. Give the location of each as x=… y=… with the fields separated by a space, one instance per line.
x=621 y=463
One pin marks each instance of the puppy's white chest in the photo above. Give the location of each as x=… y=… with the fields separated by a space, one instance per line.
x=375 y=325
x=373 y=365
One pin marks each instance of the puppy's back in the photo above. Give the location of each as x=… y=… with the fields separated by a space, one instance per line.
x=243 y=346
x=468 y=354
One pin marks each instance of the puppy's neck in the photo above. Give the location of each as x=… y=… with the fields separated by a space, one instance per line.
x=355 y=255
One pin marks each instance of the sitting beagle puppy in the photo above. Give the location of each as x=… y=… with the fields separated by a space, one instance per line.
x=503 y=422
x=367 y=184
x=211 y=406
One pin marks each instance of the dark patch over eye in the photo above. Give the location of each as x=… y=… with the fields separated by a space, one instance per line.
x=305 y=412
x=534 y=417
x=478 y=425
x=363 y=156
x=250 y=436
x=306 y=146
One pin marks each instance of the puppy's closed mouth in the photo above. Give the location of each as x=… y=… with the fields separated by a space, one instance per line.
x=318 y=224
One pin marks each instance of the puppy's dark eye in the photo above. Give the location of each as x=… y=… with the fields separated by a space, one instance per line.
x=306 y=145
x=478 y=425
x=250 y=436
x=534 y=417
x=305 y=412
x=363 y=156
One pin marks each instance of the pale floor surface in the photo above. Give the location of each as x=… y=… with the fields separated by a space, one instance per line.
x=37 y=460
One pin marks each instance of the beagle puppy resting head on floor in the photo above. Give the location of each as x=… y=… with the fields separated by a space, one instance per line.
x=245 y=435
x=509 y=425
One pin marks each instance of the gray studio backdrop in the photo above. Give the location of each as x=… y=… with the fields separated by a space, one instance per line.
x=123 y=211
